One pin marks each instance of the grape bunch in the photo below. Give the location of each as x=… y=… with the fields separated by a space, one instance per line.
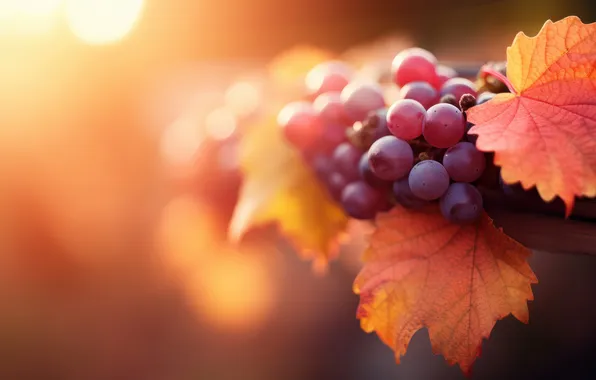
x=414 y=152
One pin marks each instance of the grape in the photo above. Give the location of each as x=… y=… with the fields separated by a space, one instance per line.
x=464 y=162
x=360 y=98
x=444 y=73
x=332 y=136
x=300 y=124
x=367 y=175
x=322 y=166
x=379 y=117
x=390 y=158
x=485 y=97
x=330 y=108
x=361 y=201
x=421 y=92
x=444 y=125
x=461 y=204
x=412 y=65
x=404 y=196
x=328 y=76
x=405 y=118
x=336 y=184
x=458 y=87
x=346 y=158
x=428 y=180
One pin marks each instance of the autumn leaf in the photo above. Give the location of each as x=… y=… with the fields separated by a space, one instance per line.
x=423 y=271
x=544 y=132
x=279 y=188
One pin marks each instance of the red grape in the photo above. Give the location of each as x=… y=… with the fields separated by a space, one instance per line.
x=360 y=98
x=328 y=76
x=330 y=108
x=422 y=92
x=405 y=119
x=458 y=87
x=300 y=124
x=345 y=160
x=444 y=73
x=412 y=65
x=444 y=125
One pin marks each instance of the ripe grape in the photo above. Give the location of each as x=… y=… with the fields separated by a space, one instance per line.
x=360 y=98
x=464 y=162
x=322 y=166
x=332 y=136
x=405 y=118
x=379 y=118
x=390 y=158
x=345 y=160
x=485 y=97
x=300 y=124
x=328 y=76
x=367 y=175
x=361 y=201
x=412 y=65
x=422 y=92
x=336 y=184
x=428 y=180
x=444 y=73
x=330 y=108
x=458 y=87
x=461 y=204
x=444 y=125
x=404 y=196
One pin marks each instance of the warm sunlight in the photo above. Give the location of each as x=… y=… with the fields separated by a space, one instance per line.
x=27 y=16
x=102 y=21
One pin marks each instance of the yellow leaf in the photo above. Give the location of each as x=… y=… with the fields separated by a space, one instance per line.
x=279 y=188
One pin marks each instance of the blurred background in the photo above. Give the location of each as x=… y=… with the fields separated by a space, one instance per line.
x=119 y=123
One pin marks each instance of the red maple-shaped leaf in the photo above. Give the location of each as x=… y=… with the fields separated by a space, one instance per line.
x=457 y=281
x=544 y=132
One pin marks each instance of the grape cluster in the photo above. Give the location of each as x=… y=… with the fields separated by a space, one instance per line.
x=371 y=157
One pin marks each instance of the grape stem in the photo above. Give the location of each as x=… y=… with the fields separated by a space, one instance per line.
x=488 y=70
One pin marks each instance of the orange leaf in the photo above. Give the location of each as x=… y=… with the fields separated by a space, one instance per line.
x=457 y=281
x=544 y=134
x=279 y=188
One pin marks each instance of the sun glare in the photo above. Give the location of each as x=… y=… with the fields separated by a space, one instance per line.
x=102 y=21
x=27 y=16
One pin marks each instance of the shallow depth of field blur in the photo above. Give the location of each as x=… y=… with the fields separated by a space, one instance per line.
x=118 y=125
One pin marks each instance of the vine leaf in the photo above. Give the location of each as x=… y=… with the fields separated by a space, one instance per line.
x=457 y=281
x=544 y=132
x=279 y=188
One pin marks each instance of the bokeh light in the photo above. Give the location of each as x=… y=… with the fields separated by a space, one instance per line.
x=220 y=123
x=102 y=21
x=244 y=97
x=28 y=16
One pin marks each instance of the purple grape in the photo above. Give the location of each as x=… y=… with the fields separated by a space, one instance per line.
x=444 y=125
x=422 y=92
x=332 y=136
x=361 y=201
x=345 y=160
x=404 y=196
x=368 y=176
x=336 y=184
x=461 y=204
x=458 y=87
x=322 y=166
x=390 y=158
x=380 y=121
x=405 y=119
x=328 y=76
x=464 y=162
x=484 y=97
x=428 y=180
x=330 y=108
x=360 y=98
